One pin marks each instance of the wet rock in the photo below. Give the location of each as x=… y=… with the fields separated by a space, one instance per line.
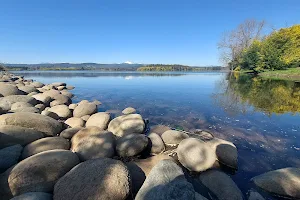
x=199 y=197
x=195 y=155
x=30 y=175
x=92 y=142
x=282 y=182
x=166 y=181
x=8 y=101
x=62 y=111
x=100 y=120
x=45 y=144
x=34 y=121
x=128 y=111
x=252 y=195
x=11 y=135
x=9 y=89
x=131 y=145
x=84 y=109
x=9 y=156
x=34 y=196
x=172 y=137
x=157 y=145
x=43 y=98
x=94 y=179
x=70 y=132
x=127 y=124
x=28 y=89
x=220 y=185
x=225 y=151
x=75 y=122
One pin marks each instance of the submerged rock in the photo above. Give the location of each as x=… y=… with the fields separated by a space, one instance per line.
x=102 y=178
x=166 y=181
x=131 y=145
x=92 y=142
x=220 y=185
x=172 y=137
x=34 y=121
x=45 y=144
x=282 y=182
x=127 y=124
x=159 y=129
x=34 y=196
x=195 y=155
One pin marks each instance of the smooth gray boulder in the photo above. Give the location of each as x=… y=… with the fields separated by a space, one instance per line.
x=159 y=129
x=8 y=101
x=62 y=111
x=60 y=99
x=70 y=132
x=282 y=182
x=43 y=98
x=57 y=84
x=11 y=135
x=66 y=93
x=195 y=155
x=35 y=121
x=28 y=89
x=157 y=144
x=9 y=89
x=220 y=185
x=51 y=93
x=166 y=181
x=37 y=84
x=5 y=192
x=72 y=106
x=45 y=144
x=100 y=120
x=84 y=109
x=128 y=111
x=199 y=197
x=40 y=172
x=53 y=115
x=34 y=196
x=92 y=142
x=172 y=137
x=26 y=109
x=225 y=151
x=127 y=124
x=131 y=145
x=102 y=178
x=19 y=105
x=9 y=156
x=75 y=122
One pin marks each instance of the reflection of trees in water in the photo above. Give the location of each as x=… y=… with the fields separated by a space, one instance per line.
x=236 y=92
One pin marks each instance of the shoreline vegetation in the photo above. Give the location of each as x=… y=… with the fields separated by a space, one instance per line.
x=100 y=155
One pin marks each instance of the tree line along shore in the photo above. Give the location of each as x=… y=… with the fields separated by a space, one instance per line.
x=53 y=148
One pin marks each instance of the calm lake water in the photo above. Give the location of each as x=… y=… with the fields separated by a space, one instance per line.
x=261 y=117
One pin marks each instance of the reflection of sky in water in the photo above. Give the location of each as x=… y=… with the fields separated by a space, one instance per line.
x=188 y=101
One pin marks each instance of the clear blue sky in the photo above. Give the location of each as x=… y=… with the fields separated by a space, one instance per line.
x=142 y=31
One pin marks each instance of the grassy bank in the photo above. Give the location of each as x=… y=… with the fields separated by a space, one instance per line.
x=288 y=74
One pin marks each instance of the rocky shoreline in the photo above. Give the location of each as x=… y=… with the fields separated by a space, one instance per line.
x=51 y=148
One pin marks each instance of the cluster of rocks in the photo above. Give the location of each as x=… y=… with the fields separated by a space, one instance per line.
x=51 y=148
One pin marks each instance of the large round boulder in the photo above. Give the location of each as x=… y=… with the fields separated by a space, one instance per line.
x=220 y=185
x=9 y=156
x=195 y=155
x=37 y=84
x=166 y=181
x=45 y=144
x=34 y=121
x=128 y=111
x=67 y=93
x=8 y=101
x=159 y=129
x=92 y=142
x=27 y=89
x=60 y=99
x=62 y=111
x=9 y=89
x=26 y=109
x=34 y=196
x=51 y=93
x=282 y=182
x=19 y=105
x=225 y=151
x=43 y=98
x=84 y=109
x=40 y=172
x=100 y=120
x=172 y=137
x=70 y=132
x=100 y=179
x=11 y=135
x=157 y=145
x=131 y=145
x=75 y=122
x=127 y=124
